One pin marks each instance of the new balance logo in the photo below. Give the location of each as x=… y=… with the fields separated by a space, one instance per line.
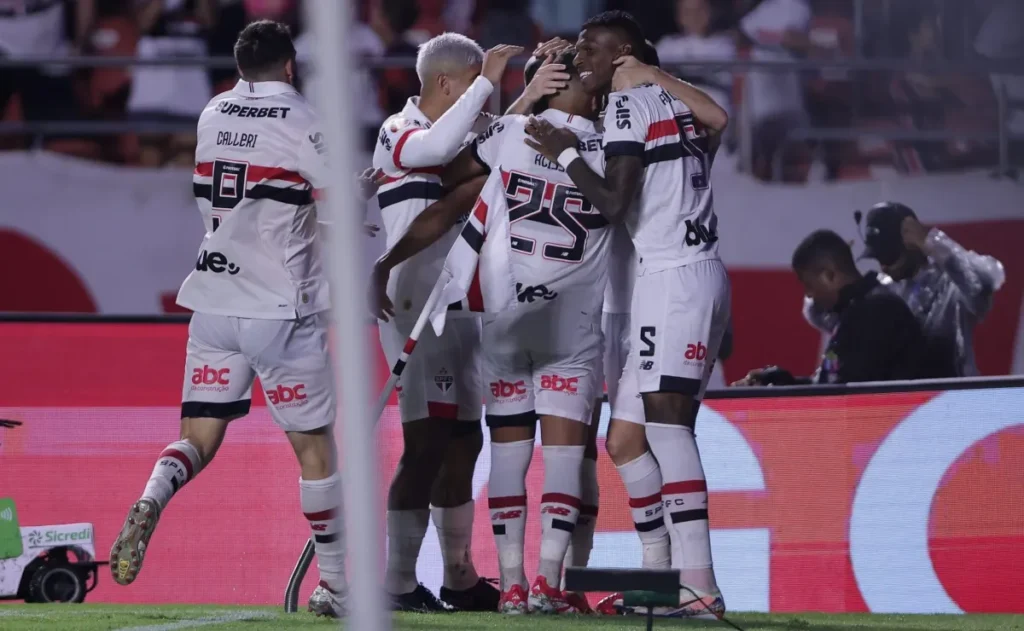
x=697 y=352
x=7 y=514
x=509 y=514
x=555 y=510
x=647 y=365
x=286 y=394
x=207 y=376
x=697 y=234
x=530 y=294
x=559 y=384
x=215 y=262
x=318 y=527
x=501 y=389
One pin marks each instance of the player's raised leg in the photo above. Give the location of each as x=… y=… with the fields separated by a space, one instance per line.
x=216 y=390
x=679 y=329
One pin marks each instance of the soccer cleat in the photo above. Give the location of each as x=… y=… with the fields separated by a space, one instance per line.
x=578 y=602
x=546 y=599
x=420 y=600
x=324 y=601
x=130 y=546
x=610 y=605
x=514 y=601
x=480 y=597
x=695 y=603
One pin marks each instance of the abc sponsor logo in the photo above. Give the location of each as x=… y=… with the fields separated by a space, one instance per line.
x=287 y=396
x=555 y=383
x=695 y=354
x=210 y=379
x=510 y=391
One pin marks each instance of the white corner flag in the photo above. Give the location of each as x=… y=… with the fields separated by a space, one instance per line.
x=477 y=274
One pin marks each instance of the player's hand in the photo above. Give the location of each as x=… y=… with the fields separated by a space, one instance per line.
x=550 y=78
x=368 y=182
x=554 y=47
x=371 y=229
x=548 y=140
x=753 y=378
x=496 y=60
x=631 y=72
x=377 y=295
x=914 y=233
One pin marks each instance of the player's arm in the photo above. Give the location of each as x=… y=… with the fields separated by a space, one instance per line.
x=614 y=193
x=429 y=226
x=312 y=160
x=550 y=78
x=631 y=72
x=418 y=147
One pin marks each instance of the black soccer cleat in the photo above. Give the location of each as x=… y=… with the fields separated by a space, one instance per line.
x=483 y=596
x=420 y=600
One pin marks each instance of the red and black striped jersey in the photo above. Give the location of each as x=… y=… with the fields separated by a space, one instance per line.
x=260 y=155
x=673 y=222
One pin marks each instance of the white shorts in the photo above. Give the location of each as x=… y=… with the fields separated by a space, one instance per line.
x=442 y=377
x=623 y=396
x=226 y=353
x=543 y=362
x=678 y=318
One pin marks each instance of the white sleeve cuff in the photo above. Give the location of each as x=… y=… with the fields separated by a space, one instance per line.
x=566 y=157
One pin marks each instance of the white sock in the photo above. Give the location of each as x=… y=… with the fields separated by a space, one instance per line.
x=178 y=463
x=685 y=495
x=406 y=529
x=642 y=478
x=506 y=499
x=455 y=532
x=582 y=540
x=321 y=504
x=559 y=507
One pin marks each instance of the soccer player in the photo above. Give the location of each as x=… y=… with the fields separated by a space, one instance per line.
x=658 y=150
x=542 y=358
x=259 y=295
x=439 y=394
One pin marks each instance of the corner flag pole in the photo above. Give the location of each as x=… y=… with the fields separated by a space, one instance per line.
x=331 y=22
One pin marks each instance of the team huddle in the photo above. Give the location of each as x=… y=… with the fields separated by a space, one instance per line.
x=603 y=169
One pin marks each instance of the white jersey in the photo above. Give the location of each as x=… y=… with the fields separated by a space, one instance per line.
x=673 y=222
x=412 y=151
x=618 y=294
x=560 y=242
x=260 y=155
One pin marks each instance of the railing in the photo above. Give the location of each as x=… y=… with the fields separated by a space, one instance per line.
x=1002 y=135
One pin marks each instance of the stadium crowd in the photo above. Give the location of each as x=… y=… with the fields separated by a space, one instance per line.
x=389 y=31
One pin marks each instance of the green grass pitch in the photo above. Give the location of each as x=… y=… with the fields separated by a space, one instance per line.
x=19 y=617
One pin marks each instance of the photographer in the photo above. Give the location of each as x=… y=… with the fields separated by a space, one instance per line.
x=875 y=336
x=948 y=289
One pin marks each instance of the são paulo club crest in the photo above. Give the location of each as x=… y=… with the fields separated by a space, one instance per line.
x=443 y=380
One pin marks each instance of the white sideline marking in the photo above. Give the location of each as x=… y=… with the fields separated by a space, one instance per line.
x=234 y=616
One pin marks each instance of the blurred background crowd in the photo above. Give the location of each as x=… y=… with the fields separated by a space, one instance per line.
x=930 y=107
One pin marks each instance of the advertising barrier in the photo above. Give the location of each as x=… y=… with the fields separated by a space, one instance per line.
x=879 y=499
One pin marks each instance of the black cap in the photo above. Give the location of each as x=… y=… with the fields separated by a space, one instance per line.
x=883 y=234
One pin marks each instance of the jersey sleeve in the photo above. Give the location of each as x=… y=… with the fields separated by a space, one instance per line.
x=312 y=157
x=625 y=126
x=487 y=145
x=412 y=146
